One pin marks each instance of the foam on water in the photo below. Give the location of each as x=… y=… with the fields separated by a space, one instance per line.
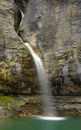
x=50 y=118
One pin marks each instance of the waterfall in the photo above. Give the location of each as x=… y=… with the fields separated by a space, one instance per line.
x=43 y=81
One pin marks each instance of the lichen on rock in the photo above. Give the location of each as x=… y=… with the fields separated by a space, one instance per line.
x=54 y=27
x=14 y=56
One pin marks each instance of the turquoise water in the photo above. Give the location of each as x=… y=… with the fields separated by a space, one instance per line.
x=36 y=123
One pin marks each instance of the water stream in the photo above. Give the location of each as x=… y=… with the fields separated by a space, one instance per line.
x=46 y=93
x=43 y=82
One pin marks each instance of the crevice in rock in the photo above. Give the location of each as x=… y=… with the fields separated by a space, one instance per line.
x=20 y=8
x=17 y=19
x=21 y=4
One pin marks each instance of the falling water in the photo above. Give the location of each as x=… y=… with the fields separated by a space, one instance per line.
x=43 y=81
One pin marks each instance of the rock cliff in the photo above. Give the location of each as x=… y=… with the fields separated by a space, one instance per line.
x=51 y=26
x=54 y=26
x=17 y=71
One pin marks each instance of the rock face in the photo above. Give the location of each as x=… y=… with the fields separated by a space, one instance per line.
x=51 y=26
x=17 y=69
x=54 y=26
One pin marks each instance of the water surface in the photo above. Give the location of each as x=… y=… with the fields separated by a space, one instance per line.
x=40 y=123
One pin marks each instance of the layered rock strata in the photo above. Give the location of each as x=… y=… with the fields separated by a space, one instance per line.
x=51 y=26
x=55 y=28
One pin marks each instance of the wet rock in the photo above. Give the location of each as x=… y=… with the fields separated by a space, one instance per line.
x=2 y=113
x=61 y=106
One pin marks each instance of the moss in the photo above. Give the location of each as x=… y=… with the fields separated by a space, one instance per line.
x=9 y=105
x=5 y=100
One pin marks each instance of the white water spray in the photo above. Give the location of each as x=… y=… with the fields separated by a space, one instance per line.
x=43 y=80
